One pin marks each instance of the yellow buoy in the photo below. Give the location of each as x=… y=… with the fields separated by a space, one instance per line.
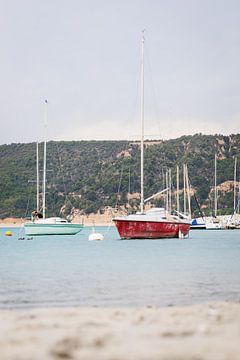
x=8 y=233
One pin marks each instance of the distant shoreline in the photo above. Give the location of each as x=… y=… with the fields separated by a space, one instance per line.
x=88 y=221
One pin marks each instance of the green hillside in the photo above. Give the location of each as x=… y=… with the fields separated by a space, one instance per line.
x=91 y=175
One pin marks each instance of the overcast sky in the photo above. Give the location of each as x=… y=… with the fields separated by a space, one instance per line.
x=84 y=58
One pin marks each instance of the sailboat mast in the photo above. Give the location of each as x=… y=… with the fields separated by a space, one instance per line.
x=170 y=190
x=37 y=168
x=234 y=184
x=215 y=185
x=184 y=189
x=238 y=196
x=44 y=158
x=177 y=188
x=167 y=193
x=142 y=123
x=188 y=193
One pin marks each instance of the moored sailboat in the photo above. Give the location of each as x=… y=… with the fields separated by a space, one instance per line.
x=233 y=222
x=51 y=226
x=156 y=223
x=39 y=224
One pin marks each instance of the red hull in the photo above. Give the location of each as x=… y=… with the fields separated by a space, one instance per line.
x=130 y=229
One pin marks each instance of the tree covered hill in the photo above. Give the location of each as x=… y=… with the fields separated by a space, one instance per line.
x=92 y=175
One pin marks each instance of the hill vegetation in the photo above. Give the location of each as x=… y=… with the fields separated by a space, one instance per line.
x=92 y=175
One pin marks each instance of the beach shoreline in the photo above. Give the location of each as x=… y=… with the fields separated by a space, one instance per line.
x=200 y=331
x=87 y=221
x=90 y=220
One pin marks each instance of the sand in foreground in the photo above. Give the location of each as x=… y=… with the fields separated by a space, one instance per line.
x=197 y=332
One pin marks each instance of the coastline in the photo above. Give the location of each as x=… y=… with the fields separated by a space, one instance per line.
x=200 y=331
x=88 y=221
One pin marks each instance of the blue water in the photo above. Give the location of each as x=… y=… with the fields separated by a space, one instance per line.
x=70 y=270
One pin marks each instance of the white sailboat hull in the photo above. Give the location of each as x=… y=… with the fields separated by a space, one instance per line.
x=51 y=227
x=214 y=226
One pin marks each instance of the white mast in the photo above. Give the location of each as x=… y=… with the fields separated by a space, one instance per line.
x=188 y=193
x=177 y=188
x=164 y=181
x=129 y=186
x=215 y=185
x=37 y=168
x=142 y=122
x=44 y=157
x=184 y=189
x=167 y=193
x=170 y=190
x=238 y=196
x=234 y=185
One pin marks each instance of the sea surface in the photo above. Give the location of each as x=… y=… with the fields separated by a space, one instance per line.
x=72 y=271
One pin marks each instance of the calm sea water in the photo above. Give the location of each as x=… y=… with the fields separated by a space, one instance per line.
x=70 y=270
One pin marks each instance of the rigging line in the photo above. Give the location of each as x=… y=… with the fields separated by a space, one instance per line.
x=27 y=208
x=109 y=224
x=155 y=106
x=52 y=194
x=129 y=187
x=61 y=173
x=196 y=200
x=238 y=194
x=29 y=196
x=119 y=186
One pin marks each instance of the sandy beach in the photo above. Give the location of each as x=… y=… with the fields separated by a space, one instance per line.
x=90 y=220
x=197 y=332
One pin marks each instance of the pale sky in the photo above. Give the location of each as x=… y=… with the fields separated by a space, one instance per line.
x=83 y=56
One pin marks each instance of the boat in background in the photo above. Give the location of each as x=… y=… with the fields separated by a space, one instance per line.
x=219 y=222
x=39 y=224
x=214 y=223
x=156 y=223
x=198 y=224
x=233 y=222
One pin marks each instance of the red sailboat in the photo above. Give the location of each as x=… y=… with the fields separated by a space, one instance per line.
x=155 y=223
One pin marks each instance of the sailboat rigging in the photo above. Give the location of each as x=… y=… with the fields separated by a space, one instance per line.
x=155 y=223
x=39 y=224
x=214 y=223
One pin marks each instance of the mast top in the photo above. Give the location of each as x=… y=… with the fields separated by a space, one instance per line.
x=142 y=123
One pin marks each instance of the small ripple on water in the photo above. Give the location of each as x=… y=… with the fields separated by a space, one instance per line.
x=69 y=272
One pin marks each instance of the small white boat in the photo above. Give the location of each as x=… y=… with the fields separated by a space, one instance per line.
x=198 y=224
x=94 y=236
x=214 y=224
